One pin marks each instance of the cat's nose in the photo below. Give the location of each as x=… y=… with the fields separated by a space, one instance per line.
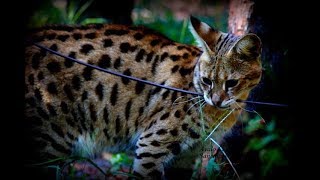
x=217 y=99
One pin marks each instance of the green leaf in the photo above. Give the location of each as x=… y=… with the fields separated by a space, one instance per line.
x=196 y=168
x=271 y=158
x=271 y=126
x=47 y=14
x=81 y=10
x=93 y=21
x=212 y=167
x=120 y=158
x=183 y=30
x=71 y=9
x=259 y=143
x=253 y=125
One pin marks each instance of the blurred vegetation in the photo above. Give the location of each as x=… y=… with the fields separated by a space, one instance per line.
x=267 y=144
x=63 y=12
x=167 y=24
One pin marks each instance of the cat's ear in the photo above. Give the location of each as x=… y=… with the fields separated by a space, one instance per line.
x=205 y=35
x=248 y=47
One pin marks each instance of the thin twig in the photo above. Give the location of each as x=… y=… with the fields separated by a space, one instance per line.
x=231 y=164
x=250 y=111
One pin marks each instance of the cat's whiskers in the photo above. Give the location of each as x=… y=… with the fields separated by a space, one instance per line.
x=202 y=104
x=201 y=115
x=228 y=102
x=200 y=101
x=253 y=111
x=175 y=103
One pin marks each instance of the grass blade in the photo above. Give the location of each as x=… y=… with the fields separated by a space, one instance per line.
x=231 y=164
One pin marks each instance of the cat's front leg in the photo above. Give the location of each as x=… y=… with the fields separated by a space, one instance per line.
x=152 y=154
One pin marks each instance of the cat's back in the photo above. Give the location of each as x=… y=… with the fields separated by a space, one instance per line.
x=127 y=49
x=130 y=50
x=108 y=46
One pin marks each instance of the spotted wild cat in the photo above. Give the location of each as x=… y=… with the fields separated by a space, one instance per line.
x=70 y=106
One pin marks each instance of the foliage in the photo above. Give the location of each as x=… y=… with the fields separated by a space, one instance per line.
x=46 y=14
x=72 y=13
x=270 y=146
x=178 y=30
x=265 y=142
x=212 y=169
x=82 y=168
x=119 y=160
x=196 y=169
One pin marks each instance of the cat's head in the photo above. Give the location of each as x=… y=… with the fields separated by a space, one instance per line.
x=229 y=66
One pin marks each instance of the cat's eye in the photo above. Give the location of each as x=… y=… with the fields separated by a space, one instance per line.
x=231 y=83
x=206 y=81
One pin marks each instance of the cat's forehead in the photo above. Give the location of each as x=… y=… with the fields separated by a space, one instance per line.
x=225 y=66
x=225 y=44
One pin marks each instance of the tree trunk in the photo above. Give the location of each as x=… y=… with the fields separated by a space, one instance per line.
x=239 y=13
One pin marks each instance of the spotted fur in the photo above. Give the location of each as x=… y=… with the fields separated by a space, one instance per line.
x=71 y=106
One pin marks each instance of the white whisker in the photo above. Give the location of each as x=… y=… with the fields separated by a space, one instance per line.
x=174 y=102
x=202 y=104
x=201 y=115
x=200 y=101
x=229 y=102
x=231 y=164
x=219 y=124
x=250 y=111
x=177 y=99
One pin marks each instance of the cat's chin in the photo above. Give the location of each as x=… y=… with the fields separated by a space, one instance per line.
x=222 y=107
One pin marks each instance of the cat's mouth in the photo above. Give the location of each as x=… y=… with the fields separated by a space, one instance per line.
x=225 y=104
x=223 y=107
